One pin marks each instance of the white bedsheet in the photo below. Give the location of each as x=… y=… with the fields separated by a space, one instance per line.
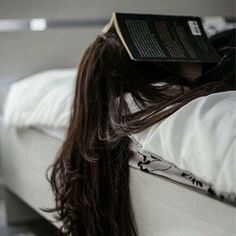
x=58 y=133
x=199 y=138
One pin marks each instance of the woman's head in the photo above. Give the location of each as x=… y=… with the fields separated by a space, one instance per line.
x=107 y=59
x=90 y=177
x=107 y=74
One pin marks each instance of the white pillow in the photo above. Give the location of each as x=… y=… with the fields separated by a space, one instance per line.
x=43 y=99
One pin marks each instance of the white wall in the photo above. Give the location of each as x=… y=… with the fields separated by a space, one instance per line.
x=23 y=53
x=101 y=8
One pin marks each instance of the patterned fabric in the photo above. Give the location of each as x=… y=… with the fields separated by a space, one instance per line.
x=153 y=164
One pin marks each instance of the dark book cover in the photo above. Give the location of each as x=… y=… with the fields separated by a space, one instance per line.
x=166 y=38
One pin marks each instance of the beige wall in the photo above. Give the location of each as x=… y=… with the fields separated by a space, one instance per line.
x=101 y=8
x=23 y=53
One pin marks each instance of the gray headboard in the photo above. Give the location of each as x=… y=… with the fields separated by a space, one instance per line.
x=26 y=52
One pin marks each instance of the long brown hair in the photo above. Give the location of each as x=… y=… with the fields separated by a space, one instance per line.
x=90 y=177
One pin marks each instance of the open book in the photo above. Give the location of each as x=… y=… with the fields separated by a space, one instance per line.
x=163 y=37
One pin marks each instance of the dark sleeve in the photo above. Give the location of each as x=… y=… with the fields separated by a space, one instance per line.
x=225 y=45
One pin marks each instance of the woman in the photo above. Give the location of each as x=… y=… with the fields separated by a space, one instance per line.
x=90 y=178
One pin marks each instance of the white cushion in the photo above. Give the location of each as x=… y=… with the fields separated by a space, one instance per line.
x=42 y=99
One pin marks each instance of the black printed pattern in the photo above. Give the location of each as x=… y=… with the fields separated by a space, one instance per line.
x=152 y=164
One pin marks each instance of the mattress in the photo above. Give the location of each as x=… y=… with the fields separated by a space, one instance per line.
x=25 y=156
x=165 y=208
x=160 y=206
x=153 y=164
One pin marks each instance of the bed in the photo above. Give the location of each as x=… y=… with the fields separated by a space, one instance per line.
x=160 y=192
x=161 y=205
